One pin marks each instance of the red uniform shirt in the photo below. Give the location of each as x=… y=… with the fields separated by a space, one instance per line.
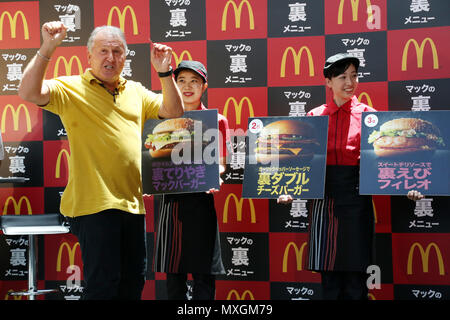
x=224 y=137
x=344 y=130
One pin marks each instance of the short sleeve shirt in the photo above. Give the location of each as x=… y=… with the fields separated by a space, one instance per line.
x=104 y=133
x=344 y=130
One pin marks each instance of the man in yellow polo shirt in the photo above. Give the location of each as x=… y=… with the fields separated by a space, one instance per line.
x=104 y=116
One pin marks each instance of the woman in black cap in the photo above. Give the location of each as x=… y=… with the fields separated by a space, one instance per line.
x=341 y=225
x=187 y=234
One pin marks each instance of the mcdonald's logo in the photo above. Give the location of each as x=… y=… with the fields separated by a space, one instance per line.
x=17 y=205
x=58 y=162
x=121 y=15
x=355 y=5
x=238 y=107
x=297 y=59
x=237 y=14
x=239 y=204
x=7 y=295
x=15 y=114
x=70 y=252
x=425 y=255
x=298 y=255
x=419 y=53
x=13 y=24
x=67 y=65
x=180 y=58
x=240 y=297
x=375 y=216
x=365 y=94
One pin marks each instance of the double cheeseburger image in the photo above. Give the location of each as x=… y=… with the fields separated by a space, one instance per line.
x=167 y=134
x=285 y=139
x=404 y=136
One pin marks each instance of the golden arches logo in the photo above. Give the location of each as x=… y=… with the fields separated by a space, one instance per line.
x=355 y=5
x=297 y=56
x=7 y=295
x=240 y=297
x=58 y=162
x=180 y=58
x=121 y=16
x=238 y=107
x=17 y=205
x=67 y=65
x=15 y=115
x=419 y=53
x=13 y=24
x=425 y=255
x=239 y=204
x=70 y=252
x=237 y=14
x=375 y=216
x=298 y=255
x=366 y=95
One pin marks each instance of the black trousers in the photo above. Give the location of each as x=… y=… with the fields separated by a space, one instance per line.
x=204 y=286
x=113 y=249
x=343 y=285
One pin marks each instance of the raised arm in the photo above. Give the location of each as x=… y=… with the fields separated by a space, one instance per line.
x=32 y=87
x=172 y=107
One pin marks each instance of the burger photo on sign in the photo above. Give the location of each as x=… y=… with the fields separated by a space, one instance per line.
x=285 y=140
x=405 y=136
x=167 y=135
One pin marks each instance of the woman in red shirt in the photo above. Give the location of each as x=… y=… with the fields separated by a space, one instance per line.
x=342 y=224
x=341 y=233
x=187 y=234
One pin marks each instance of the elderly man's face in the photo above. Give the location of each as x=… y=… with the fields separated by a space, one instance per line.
x=107 y=58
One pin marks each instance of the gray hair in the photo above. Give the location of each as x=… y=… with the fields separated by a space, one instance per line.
x=111 y=30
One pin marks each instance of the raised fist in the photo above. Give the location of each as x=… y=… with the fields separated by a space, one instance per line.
x=53 y=33
x=161 y=57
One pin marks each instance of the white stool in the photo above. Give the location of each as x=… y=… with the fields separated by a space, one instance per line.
x=33 y=225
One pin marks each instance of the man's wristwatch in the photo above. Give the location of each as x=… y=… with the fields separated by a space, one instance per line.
x=166 y=74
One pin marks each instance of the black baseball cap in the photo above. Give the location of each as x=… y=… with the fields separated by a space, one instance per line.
x=337 y=58
x=195 y=66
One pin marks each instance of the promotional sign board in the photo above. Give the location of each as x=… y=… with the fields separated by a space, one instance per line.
x=402 y=151
x=285 y=155
x=181 y=155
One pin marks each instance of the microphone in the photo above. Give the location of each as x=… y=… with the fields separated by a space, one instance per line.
x=114 y=94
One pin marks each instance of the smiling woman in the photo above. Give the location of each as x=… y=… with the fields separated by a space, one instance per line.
x=341 y=224
x=344 y=216
x=344 y=85
x=192 y=87
x=187 y=238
